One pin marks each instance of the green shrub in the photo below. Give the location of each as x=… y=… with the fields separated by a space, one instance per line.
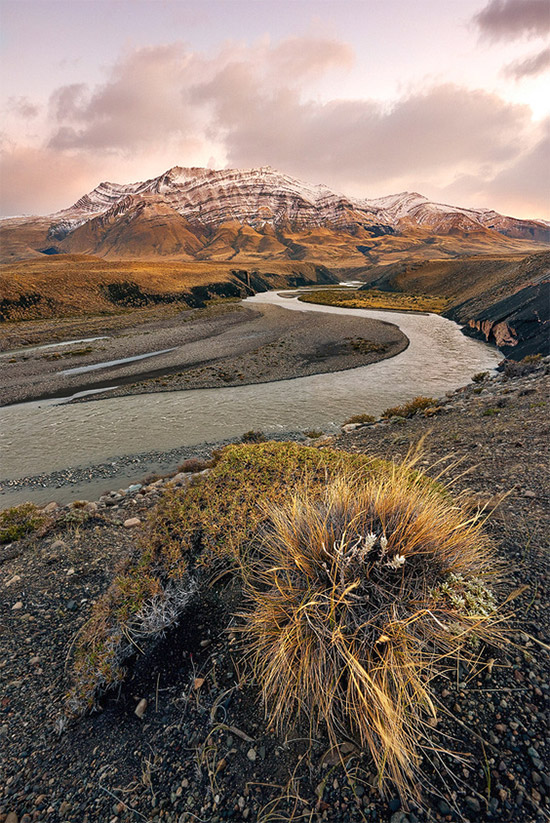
x=18 y=521
x=411 y=408
x=480 y=377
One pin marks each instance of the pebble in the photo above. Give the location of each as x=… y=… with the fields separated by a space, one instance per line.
x=141 y=708
x=252 y=755
x=17 y=606
x=473 y=804
x=131 y=522
x=15 y=579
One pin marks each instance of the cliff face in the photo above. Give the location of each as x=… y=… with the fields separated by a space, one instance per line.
x=519 y=325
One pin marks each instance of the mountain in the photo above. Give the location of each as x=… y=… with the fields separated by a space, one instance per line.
x=233 y=214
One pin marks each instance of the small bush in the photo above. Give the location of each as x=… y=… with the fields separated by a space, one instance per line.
x=520 y=368
x=490 y=412
x=360 y=418
x=194 y=465
x=358 y=598
x=411 y=408
x=480 y=377
x=18 y=521
x=314 y=434
x=253 y=437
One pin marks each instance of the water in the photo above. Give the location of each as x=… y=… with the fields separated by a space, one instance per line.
x=42 y=437
x=107 y=363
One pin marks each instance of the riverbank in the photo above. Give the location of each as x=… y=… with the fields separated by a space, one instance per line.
x=185 y=756
x=227 y=345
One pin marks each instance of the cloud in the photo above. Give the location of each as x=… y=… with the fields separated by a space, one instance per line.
x=510 y=19
x=439 y=131
x=530 y=67
x=22 y=107
x=258 y=105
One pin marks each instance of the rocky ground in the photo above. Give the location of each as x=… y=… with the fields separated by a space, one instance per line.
x=185 y=739
x=223 y=345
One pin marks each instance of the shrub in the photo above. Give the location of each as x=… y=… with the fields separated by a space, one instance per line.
x=480 y=377
x=18 y=521
x=360 y=418
x=411 y=408
x=314 y=434
x=253 y=437
x=194 y=465
x=358 y=598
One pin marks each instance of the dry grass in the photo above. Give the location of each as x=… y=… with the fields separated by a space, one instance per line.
x=374 y=299
x=358 y=597
x=411 y=408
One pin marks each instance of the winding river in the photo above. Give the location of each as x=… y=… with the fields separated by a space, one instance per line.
x=45 y=436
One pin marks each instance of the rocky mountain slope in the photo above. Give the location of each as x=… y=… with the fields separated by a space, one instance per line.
x=206 y=214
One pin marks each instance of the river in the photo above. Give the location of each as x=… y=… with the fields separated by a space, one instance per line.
x=44 y=436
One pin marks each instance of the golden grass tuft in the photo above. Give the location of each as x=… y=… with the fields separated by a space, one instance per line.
x=358 y=597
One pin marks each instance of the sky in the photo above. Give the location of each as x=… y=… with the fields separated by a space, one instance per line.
x=449 y=98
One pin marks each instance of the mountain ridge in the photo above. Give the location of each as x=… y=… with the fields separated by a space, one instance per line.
x=294 y=220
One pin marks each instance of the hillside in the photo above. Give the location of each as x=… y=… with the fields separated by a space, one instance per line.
x=65 y=285
x=504 y=299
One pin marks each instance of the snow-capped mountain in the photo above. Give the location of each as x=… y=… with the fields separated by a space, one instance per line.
x=236 y=214
x=261 y=196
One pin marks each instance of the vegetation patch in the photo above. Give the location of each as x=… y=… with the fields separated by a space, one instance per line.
x=360 y=418
x=375 y=299
x=211 y=519
x=19 y=521
x=411 y=408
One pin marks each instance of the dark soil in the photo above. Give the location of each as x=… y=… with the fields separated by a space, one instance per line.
x=202 y=750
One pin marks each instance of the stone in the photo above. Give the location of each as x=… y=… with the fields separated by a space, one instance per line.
x=15 y=579
x=141 y=708
x=91 y=508
x=350 y=427
x=131 y=522
x=50 y=508
x=11 y=818
x=17 y=606
x=473 y=804
x=251 y=754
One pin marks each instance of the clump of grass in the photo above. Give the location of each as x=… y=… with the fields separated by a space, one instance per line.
x=253 y=437
x=314 y=434
x=19 y=521
x=411 y=408
x=360 y=418
x=480 y=377
x=358 y=598
x=193 y=465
